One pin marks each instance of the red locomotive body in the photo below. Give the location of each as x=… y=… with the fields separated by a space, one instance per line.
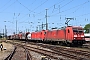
x=38 y=35
x=68 y=35
x=61 y=35
x=43 y=32
x=50 y=35
x=33 y=35
x=55 y=35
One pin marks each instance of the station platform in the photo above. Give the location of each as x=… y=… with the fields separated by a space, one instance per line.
x=7 y=49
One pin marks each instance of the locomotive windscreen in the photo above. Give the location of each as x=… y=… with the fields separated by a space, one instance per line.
x=78 y=30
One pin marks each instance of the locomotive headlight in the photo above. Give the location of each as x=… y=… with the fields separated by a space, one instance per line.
x=74 y=38
x=82 y=35
x=75 y=35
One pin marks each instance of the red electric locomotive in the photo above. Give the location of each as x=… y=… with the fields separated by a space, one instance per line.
x=68 y=35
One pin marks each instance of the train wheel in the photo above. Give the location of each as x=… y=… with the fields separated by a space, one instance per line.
x=62 y=43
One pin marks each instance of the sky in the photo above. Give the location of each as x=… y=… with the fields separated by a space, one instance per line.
x=29 y=14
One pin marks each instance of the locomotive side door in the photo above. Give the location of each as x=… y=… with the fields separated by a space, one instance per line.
x=67 y=34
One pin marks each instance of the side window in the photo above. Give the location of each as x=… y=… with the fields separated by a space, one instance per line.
x=68 y=31
x=44 y=32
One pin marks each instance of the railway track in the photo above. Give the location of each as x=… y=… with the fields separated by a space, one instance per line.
x=28 y=55
x=49 y=54
x=87 y=46
x=9 y=57
x=68 y=52
x=59 y=52
x=19 y=52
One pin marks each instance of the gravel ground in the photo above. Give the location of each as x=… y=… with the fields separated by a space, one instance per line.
x=37 y=56
x=19 y=54
x=5 y=53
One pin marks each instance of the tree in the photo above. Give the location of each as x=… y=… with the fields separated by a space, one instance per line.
x=87 y=28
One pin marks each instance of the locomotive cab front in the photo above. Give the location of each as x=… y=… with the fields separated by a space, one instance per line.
x=75 y=35
x=78 y=36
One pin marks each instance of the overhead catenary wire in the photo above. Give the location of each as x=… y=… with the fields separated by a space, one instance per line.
x=5 y=4
x=26 y=7
x=34 y=8
x=32 y=2
x=30 y=11
x=59 y=5
x=69 y=8
x=8 y=6
x=58 y=13
x=78 y=7
x=39 y=6
x=52 y=6
x=23 y=6
x=62 y=7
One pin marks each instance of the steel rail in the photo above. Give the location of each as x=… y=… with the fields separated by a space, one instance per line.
x=9 y=57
